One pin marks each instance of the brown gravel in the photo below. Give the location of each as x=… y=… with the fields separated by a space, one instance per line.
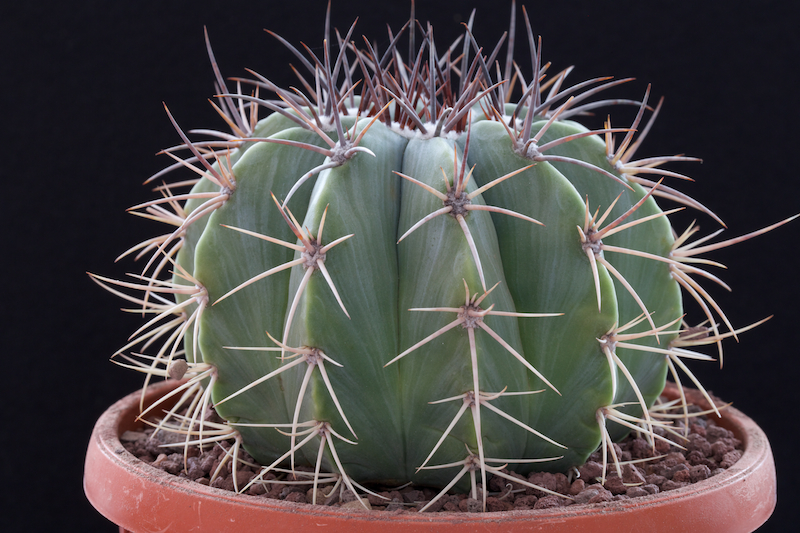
x=708 y=450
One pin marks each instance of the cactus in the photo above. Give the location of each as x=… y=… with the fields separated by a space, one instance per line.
x=431 y=272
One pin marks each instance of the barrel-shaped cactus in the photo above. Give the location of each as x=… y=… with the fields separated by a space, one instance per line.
x=428 y=273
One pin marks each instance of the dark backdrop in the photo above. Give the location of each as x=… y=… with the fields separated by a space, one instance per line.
x=82 y=121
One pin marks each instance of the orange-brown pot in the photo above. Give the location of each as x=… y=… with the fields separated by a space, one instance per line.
x=143 y=499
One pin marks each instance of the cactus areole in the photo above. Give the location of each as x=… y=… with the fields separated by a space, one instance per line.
x=419 y=269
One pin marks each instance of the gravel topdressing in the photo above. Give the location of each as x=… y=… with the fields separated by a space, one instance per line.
x=708 y=450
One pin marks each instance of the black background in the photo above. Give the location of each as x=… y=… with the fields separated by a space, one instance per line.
x=82 y=120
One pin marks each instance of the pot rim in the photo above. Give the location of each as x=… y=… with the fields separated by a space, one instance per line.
x=110 y=469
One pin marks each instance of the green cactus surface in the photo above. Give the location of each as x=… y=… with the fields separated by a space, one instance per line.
x=419 y=269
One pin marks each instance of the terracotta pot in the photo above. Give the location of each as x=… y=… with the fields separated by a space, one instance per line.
x=142 y=498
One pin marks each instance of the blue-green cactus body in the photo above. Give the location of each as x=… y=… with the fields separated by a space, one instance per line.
x=537 y=268
x=375 y=286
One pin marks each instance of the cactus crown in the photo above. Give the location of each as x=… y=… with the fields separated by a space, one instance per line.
x=425 y=273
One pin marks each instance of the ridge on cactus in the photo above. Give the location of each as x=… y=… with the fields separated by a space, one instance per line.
x=420 y=269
